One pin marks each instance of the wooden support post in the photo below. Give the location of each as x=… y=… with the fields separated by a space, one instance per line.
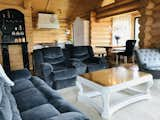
x=27 y=4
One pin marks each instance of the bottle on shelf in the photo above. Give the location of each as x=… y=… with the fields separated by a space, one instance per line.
x=13 y=33
x=17 y=32
x=19 y=39
x=16 y=40
x=23 y=39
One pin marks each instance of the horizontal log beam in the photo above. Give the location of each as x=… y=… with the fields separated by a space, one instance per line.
x=115 y=4
x=124 y=6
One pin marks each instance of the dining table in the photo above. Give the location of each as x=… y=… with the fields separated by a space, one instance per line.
x=114 y=50
x=111 y=47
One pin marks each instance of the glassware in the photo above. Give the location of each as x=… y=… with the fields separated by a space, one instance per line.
x=13 y=33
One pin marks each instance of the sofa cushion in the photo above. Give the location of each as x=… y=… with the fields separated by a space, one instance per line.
x=64 y=72
x=21 y=85
x=41 y=112
x=53 y=55
x=80 y=52
x=80 y=67
x=29 y=98
x=54 y=61
x=21 y=74
x=4 y=77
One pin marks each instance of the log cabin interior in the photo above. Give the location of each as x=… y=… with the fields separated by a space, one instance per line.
x=75 y=59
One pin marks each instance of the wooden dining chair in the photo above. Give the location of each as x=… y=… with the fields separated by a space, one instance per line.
x=129 y=51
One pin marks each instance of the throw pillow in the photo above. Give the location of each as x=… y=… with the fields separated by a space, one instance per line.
x=5 y=106
x=5 y=77
x=1 y=85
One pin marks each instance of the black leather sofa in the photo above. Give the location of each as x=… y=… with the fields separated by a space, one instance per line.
x=59 y=67
x=32 y=99
x=85 y=54
x=149 y=61
x=53 y=65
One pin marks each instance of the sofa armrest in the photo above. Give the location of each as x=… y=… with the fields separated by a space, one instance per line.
x=53 y=97
x=46 y=69
x=48 y=92
x=143 y=67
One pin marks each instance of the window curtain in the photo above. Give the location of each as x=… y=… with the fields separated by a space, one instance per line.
x=137 y=31
x=122 y=29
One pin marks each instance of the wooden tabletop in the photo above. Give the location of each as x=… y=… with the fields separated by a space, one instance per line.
x=110 y=46
x=113 y=76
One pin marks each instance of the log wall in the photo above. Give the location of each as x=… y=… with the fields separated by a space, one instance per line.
x=101 y=33
x=150 y=24
x=49 y=35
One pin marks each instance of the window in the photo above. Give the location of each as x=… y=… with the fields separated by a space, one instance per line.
x=121 y=29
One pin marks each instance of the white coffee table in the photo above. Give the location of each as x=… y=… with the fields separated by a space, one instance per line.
x=106 y=82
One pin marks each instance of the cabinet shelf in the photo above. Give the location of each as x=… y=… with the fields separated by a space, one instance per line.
x=14 y=43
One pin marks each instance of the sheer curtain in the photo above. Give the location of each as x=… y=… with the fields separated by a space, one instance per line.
x=122 y=29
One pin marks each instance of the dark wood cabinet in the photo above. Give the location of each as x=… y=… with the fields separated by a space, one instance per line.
x=12 y=32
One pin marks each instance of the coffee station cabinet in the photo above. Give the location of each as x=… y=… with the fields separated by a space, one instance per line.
x=12 y=32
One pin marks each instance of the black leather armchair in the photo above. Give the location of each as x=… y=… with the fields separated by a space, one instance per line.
x=149 y=61
x=51 y=65
x=86 y=55
x=81 y=68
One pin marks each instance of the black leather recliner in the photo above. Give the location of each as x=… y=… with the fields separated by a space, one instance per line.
x=51 y=65
x=81 y=68
x=86 y=55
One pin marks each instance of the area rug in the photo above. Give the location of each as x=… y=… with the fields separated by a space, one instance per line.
x=142 y=110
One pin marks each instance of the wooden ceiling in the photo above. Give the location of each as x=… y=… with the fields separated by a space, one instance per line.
x=66 y=9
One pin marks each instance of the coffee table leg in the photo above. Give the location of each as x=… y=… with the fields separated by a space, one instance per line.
x=149 y=85
x=79 y=85
x=106 y=106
